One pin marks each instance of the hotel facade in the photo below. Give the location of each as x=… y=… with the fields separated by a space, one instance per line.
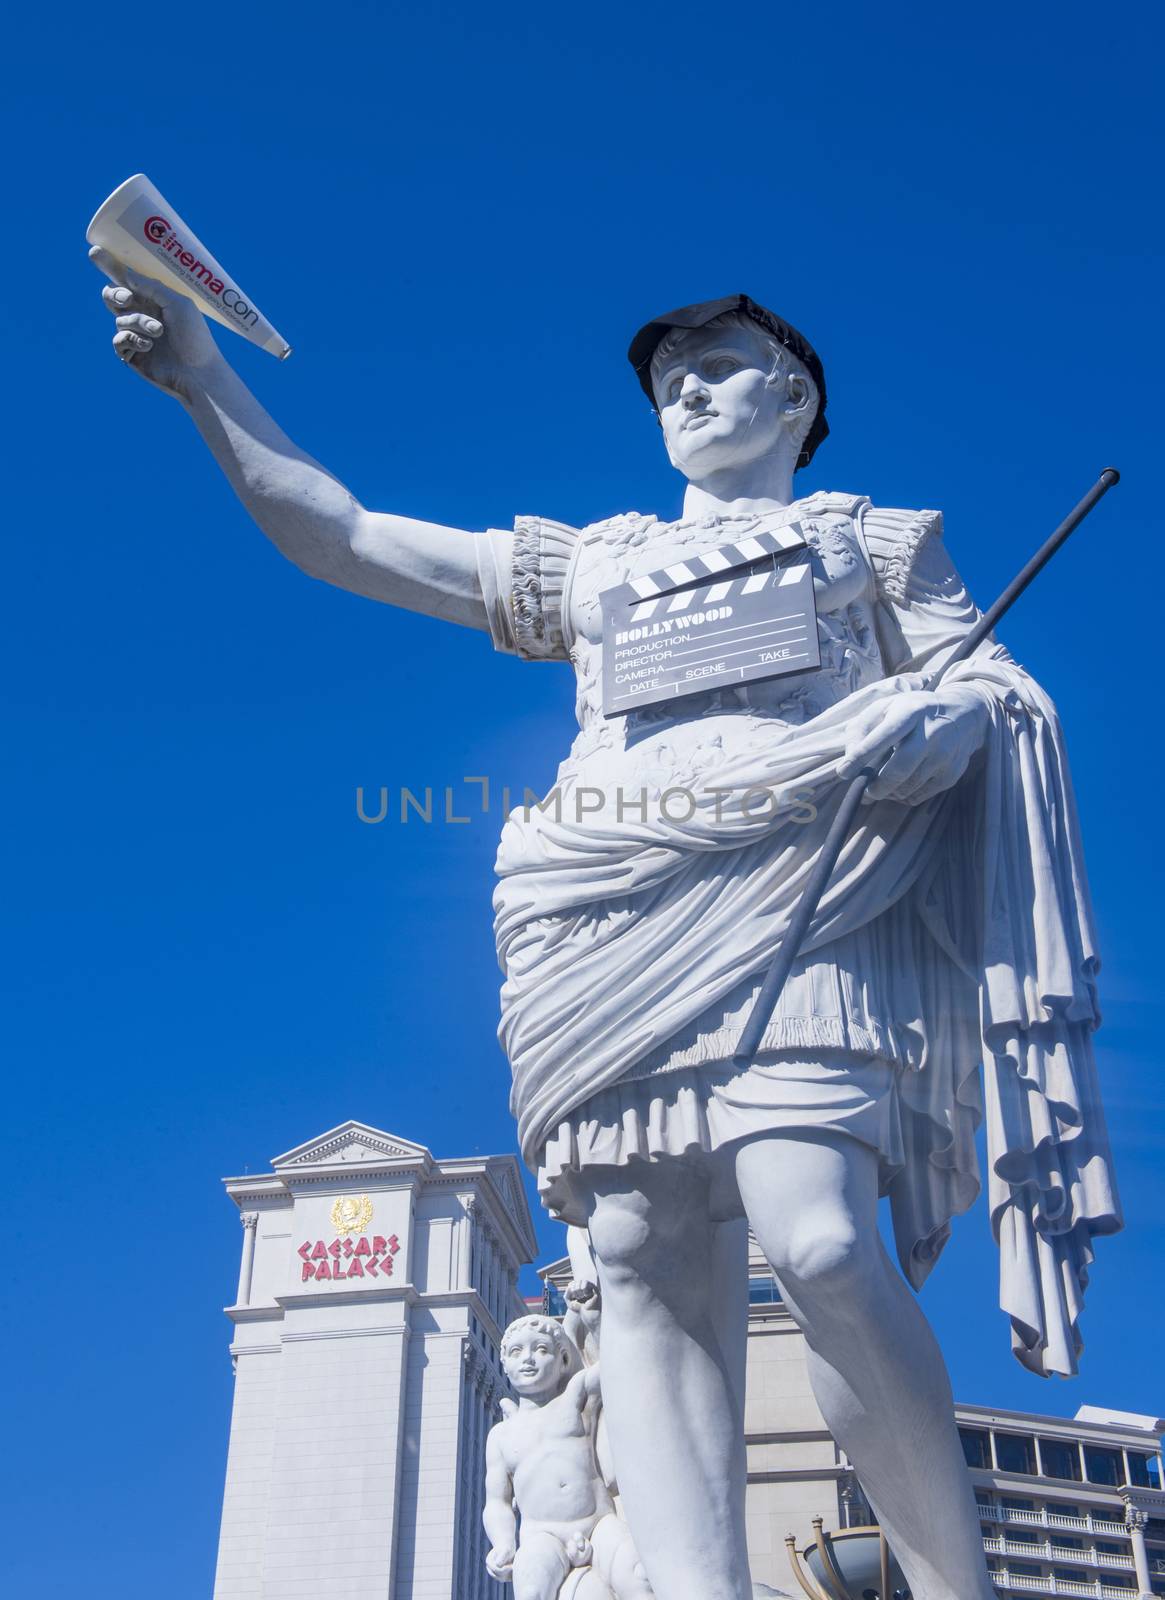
x=375 y=1283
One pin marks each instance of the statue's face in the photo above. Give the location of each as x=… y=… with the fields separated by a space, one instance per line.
x=533 y=1362
x=716 y=405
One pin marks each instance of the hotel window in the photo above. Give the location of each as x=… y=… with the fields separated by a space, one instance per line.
x=1062 y=1541
x=1103 y=1466
x=1061 y=1459
x=1016 y=1452
x=763 y=1292
x=1024 y=1569
x=976 y=1446
x=1014 y=1503
x=1144 y=1471
x=1023 y=1535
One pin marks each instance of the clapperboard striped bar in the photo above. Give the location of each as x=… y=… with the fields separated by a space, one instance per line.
x=714 y=563
x=668 y=633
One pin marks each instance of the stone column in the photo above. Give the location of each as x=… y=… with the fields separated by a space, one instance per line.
x=250 y=1221
x=1135 y=1522
x=465 y=1244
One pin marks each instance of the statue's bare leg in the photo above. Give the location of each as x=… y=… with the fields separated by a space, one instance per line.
x=540 y=1567
x=669 y=1396
x=617 y=1559
x=875 y=1366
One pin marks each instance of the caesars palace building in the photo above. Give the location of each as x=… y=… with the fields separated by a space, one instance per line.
x=374 y=1285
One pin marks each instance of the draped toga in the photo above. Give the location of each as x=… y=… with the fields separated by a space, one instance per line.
x=637 y=908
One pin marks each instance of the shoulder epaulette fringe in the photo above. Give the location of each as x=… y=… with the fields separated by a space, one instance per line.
x=894 y=538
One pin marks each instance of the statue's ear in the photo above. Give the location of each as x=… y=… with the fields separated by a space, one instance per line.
x=800 y=395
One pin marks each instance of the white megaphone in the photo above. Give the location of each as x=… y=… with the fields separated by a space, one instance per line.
x=142 y=230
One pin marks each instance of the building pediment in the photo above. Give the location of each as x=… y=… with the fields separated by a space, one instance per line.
x=351 y=1144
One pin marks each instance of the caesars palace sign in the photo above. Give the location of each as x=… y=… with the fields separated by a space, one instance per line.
x=344 y=1256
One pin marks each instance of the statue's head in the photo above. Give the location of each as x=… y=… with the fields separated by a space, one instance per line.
x=537 y=1357
x=731 y=382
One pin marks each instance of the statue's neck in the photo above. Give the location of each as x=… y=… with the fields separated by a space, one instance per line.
x=763 y=485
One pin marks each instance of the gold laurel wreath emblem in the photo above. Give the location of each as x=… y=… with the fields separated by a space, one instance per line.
x=351 y=1213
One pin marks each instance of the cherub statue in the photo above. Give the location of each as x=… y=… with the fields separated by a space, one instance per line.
x=542 y=1459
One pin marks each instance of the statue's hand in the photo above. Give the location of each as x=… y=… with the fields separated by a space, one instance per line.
x=161 y=335
x=499 y=1562
x=920 y=741
x=582 y=1296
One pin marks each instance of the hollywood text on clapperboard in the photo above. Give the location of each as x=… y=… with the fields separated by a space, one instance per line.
x=712 y=620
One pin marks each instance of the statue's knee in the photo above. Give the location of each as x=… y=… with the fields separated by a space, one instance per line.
x=825 y=1256
x=635 y=1236
x=622 y=1236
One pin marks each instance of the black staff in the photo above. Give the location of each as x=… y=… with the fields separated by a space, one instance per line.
x=790 y=945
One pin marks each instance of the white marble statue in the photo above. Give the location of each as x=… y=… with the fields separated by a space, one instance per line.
x=956 y=929
x=543 y=1460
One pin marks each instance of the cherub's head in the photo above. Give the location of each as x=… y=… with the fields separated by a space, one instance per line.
x=537 y=1357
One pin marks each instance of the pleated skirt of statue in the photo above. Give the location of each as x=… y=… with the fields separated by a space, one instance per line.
x=696 y=1115
x=830 y=1060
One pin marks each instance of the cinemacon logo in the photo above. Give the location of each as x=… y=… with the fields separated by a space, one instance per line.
x=344 y=1259
x=161 y=235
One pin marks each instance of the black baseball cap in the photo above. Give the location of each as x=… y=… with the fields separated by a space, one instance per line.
x=647 y=340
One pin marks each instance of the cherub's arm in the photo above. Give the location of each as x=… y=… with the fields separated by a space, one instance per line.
x=581 y=1322
x=501 y=1525
x=582 y=1387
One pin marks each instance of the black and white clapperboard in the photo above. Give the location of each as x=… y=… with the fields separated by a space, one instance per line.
x=712 y=620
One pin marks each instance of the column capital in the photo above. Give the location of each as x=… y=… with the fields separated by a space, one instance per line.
x=249 y=1219
x=473 y=1362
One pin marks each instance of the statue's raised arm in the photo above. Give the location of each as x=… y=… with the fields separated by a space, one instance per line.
x=306 y=512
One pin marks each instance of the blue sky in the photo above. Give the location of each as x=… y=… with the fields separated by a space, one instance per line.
x=458 y=215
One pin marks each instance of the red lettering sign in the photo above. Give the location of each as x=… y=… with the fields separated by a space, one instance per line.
x=325 y=1262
